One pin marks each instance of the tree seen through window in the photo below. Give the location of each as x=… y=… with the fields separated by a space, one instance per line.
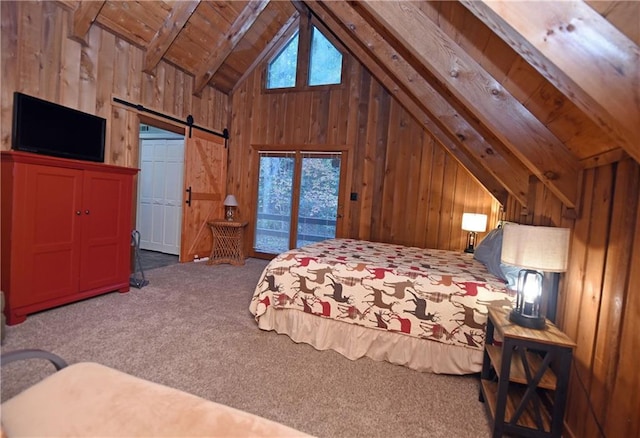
x=325 y=61
x=316 y=198
x=282 y=70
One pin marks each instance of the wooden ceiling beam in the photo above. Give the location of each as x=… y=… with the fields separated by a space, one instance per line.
x=527 y=138
x=492 y=156
x=81 y=18
x=227 y=43
x=450 y=143
x=164 y=37
x=589 y=60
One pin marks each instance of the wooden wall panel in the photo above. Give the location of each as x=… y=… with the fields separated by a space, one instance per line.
x=623 y=395
x=410 y=190
x=9 y=12
x=38 y=59
x=598 y=304
x=616 y=290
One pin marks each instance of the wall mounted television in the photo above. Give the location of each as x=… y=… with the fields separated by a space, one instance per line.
x=47 y=128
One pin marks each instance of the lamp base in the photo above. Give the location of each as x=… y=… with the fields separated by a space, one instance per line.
x=228 y=214
x=532 y=322
x=471 y=242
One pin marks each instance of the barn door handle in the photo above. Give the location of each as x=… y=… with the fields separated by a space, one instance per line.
x=189 y=197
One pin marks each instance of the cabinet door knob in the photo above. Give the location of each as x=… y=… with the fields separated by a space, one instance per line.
x=86 y=212
x=78 y=212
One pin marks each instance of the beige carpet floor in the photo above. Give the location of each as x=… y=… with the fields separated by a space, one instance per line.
x=190 y=328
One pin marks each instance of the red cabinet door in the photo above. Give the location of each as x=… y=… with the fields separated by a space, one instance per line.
x=106 y=230
x=47 y=226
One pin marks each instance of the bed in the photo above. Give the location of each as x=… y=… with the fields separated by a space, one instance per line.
x=421 y=308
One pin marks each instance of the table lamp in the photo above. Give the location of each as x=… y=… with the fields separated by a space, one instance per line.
x=473 y=223
x=230 y=204
x=535 y=249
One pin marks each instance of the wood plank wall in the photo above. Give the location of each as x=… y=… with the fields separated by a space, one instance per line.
x=38 y=59
x=410 y=190
x=599 y=303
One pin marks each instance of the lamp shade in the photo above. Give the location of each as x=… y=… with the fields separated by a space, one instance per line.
x=230 y=201
x=474 y=222
x=533 y=247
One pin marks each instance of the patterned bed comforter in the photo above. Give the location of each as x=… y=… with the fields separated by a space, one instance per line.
x=433 y=294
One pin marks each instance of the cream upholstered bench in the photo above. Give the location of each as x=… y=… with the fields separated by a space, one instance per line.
x=89 y=399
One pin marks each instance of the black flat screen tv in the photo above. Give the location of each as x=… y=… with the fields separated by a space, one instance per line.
x=47 y=128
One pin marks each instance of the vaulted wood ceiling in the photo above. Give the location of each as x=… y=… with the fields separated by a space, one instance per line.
x=511 y=89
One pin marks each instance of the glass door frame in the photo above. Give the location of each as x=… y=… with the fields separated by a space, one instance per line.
x=342 y=215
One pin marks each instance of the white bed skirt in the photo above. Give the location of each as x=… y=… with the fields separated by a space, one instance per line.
x=354 y=341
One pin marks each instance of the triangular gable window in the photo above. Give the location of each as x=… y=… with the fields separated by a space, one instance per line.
x=325 y=61
x=281 y=72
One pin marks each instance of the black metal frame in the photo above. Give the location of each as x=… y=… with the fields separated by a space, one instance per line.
x=189 y=122
x=14 y=356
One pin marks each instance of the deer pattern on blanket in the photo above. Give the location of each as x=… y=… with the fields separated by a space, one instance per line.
x=432 y=294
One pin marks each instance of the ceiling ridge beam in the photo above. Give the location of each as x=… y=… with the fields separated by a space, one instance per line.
x=451 y=144
x=510 y=121
x=227 y=43
x=81 y=18
x=166 y=35
x=495 y=157
x=602 y=73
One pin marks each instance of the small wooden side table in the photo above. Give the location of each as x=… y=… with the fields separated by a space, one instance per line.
x=228 y=242
x=524 y=380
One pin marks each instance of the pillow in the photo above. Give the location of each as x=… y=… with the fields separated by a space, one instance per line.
x=489 y=252
x=510 y=274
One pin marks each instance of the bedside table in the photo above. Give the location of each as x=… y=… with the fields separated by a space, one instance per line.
x=524 y=379
x=228 y=242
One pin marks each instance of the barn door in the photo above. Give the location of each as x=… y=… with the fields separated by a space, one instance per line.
x=205 y=177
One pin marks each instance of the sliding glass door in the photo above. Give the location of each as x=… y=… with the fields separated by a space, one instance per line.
x=275 y=196
x=318 y=199
x=298 y=199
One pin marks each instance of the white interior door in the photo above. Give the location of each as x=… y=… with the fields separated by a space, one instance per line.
x=160 y=194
